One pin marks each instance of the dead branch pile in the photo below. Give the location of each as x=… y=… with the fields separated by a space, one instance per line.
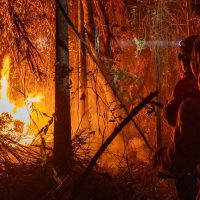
x=14 y=154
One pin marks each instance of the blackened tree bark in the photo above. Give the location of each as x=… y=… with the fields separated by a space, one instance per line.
x=63 y=156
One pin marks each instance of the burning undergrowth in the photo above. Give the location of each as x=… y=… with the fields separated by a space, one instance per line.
x=24 y=172
x=12 y=152
x=9 y=125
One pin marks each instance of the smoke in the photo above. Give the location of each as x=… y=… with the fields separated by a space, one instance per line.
x=149 y=43
x=162 y=43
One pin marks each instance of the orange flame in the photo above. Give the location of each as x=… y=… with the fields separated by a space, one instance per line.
x=18 y=113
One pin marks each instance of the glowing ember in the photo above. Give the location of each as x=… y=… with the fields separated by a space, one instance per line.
x=15 y=120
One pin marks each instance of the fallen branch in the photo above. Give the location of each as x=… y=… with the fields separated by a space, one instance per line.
x=105 y=74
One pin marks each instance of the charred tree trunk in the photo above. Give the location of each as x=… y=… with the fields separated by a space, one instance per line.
x=63 y=155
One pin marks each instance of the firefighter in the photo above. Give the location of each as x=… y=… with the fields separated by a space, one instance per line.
x=181 y=159
x=186 y=86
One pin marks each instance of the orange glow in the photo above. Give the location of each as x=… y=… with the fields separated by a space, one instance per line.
x=19 y=116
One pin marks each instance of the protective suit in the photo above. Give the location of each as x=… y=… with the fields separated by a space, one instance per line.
x=181 y=159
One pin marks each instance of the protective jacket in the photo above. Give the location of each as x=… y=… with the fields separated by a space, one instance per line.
x=184 y=88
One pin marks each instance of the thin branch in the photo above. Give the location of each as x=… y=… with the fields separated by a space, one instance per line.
x=22 y=41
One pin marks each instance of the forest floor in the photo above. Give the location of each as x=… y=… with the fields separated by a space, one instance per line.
x=37 y=183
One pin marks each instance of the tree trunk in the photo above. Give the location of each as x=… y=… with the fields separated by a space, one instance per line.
x=63 y=156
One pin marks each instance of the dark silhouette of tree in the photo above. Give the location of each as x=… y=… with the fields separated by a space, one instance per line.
x=63 y=156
